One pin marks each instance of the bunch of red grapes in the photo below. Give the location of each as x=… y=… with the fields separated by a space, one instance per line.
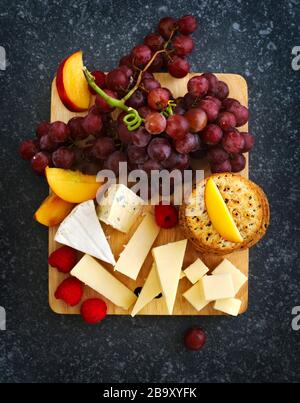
x=203 y=122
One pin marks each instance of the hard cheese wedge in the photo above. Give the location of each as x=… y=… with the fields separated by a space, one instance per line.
x=137 y=249
x=218 y=286
x=168 y=259
x=150 y=290
x=229 y=305
x=196 y=271
x=219 y=214
x=120 y=207
x=90 y=272
x=81 y=230
x=238 y=278
x=195 y=296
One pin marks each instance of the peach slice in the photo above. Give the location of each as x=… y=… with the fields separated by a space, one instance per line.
x=219 y=214
x=53 y=211
x=71 y=84
x=72 y=186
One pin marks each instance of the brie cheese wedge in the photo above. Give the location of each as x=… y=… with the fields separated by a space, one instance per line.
x=81 y=230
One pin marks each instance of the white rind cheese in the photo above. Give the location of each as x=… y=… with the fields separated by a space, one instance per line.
x=90 y=272
x=196 y=271
x=82 y=231
x=138 y=247
x=150 y=290
x=238 y=278
x=218 y=286
x=168 y=259
x=231 y=306
x=120 y=207
x=195 y=297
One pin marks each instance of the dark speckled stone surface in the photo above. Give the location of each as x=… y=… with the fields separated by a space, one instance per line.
x=252 y=38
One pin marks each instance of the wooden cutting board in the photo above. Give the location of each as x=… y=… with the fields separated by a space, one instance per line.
x=117 y=240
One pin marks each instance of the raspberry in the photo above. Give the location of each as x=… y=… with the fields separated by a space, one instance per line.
x=63 y=259
x=70 y=291
x=93 y=310
x=166 y=216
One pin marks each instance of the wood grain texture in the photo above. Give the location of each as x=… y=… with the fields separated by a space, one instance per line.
x=117 y=240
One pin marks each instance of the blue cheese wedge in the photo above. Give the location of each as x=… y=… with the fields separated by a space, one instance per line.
x=120 y=207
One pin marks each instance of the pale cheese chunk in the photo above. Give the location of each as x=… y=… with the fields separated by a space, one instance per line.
x=93 y=274
x=238 y=278
x=120 y=207
x=218 y=286
x=195 y=271
x=231 y=306
x=195 y=297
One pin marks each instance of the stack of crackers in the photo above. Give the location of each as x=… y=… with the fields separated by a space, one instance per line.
x=246 y=202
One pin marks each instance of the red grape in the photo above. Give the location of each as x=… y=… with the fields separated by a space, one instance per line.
x=92 y=124
x=212 y=134
x=226 y=120
x=151 y=165
x=102 y=104
x=146 y=74
x=76 y=129
x=187 y=24
x=222 y=167
x=137 y=155
x=229 y=102
x=188 y=144
x=99 y=80
x=233 y=142
x=183 y=161
x=140 y=137
x=144 y=111
x=249 y=142
x=198 y=86
x=237 y=162
x=222 y=90
x=150 y=84
x=158 y=98
x=141 y=55
x=177 y=126
x=93 y=109
x=126 y=61
x=241 y=114
x=210 y=108
x=217 y=155
x=27 y=149
x=178 y=67
x=59 y=132
x=155 y=123
x=215 y=100
x=42 y=128
x=90 y=168
x=172 y=161
x=63 y=157
x=46 y=144
x=39 y=162
x=166 y=26
x=197 y=119
x=127 y=71
x=159 y=149
x=154 y=41
x=157 y=63
x=136 y=100
x=212 y=82
x=117 y=81
x=189 y=101
x=124 y=134
x=183 y=45
x=112 y=162
x=103 y=147
x=194 y=339
x=179 y=110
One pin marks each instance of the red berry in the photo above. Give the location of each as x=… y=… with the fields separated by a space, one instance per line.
x=42 y=128
x=99 y=80
x=102 y=104
x=39 y=162
x=59 y=132
x=194 y=339
x=226 y=120
x=166 y=216
x=63 y=259
x=249 y=141
x=70 y=291
x=187 y=24
x=28 y=149
x=93 y=310
x=166 y=26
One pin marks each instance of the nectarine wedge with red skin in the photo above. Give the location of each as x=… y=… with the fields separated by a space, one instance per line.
x=53 y=211
x=71 y=84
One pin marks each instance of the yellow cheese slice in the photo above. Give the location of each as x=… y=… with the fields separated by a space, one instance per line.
x=219 y=214
x=238 y=278
x=137 y=249
x=92 y=273
x=168 y=259
x=231 y=306
x=195 y=296
x=196 y=271
x=218 y=286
